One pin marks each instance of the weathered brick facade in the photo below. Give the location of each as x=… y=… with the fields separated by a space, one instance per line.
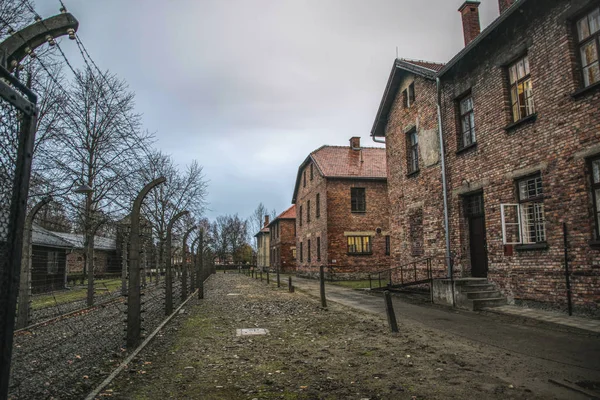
x=283 y=241
x=322 y=239
x=555 y=143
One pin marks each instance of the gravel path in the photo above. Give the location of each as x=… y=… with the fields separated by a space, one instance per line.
x=309 y=353
x=67 y=358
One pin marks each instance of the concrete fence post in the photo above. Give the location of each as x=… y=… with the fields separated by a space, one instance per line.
x=322 y=286
x=134 y=304
x=168 y=259
x=389 y=309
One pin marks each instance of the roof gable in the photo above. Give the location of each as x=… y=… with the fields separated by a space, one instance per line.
x=425 y=69
x=344 y=162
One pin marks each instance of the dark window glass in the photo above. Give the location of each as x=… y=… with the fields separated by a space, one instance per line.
x=411 y=94
x=387 y=245
x=318 y=249
x=521 y=91
x=595 y=169
x=301 y=253
x=300 y=215
x=308 y=251
x=311 y=172
x=412 y=151
x=304 y=184
x=588 y=35
x=359 y=244
x=318 y=210
x=308 y=211
x=358 y=200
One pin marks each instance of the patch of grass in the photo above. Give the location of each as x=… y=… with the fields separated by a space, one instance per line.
x=68 y=296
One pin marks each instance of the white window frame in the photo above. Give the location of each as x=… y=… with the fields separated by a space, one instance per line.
x=518 y=223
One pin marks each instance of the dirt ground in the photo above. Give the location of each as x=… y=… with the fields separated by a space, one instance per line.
x=309 y=353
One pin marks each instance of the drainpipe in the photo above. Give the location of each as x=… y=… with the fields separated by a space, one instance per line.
x=378 y=140
x=444 y=184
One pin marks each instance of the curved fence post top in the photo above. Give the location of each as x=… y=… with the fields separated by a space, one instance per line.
x=140 y=197
x=175 y=218
x=45 y=200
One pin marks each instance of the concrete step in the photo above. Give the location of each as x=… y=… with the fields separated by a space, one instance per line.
x=479 y=304
x=485 y=294
x=480 y=287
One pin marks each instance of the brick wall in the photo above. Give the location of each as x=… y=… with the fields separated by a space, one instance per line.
x=335 y=220
x=282 y=245
x=552 y=145
x=103 y=261
x=419 y=193
x=316 y=227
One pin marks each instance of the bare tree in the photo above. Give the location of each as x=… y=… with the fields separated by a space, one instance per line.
x=14 y=14
x=256 y=221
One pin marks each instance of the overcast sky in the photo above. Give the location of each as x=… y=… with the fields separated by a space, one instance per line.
x=250 y=87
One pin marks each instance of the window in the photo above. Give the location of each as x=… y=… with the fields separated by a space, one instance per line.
x=467 y=122
x=300 y=215
x=318 y=210
x=308 y=211
x=359 y=245
x=318 y=249
x=595 y=168
x=294 y=253
x=588 y=35
x=358 y=201
x=304 y=184
x=301 y=260
x=387 y=246
x=405 y=103
x=308 y=251
x=412 y=151
x=52 y=262
x=411 y=94
x=311 y=172
x=524 y=223
x=521 y=92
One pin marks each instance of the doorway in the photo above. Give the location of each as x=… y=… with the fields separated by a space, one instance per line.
x=474 y=212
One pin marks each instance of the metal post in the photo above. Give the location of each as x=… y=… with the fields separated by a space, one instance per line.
x=567 y=274
x=89 y=249
x=25 y=279
x=268 y=277
x=322 y=284
x=430 y=271
x=389 y=309
x=124 y=265
x=169 y=269
x=184 y=265
x=134 y=304
x=290 y=286
x=199 y=272
x=10 y=267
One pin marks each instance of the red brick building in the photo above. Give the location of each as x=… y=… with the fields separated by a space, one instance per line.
x=283 y=241
x=342 y=211
x=521 y=144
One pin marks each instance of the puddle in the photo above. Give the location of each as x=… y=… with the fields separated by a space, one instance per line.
x=251 y=331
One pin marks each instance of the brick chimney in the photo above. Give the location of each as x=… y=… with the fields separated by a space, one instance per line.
x=504 y=5
x=355 y=143
x=470 y=19
x=266 y=220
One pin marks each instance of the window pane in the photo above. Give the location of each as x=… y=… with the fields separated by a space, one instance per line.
x=529 y=188
x=513 y=73
x=583 y=28
x=520 y=69
x=528 y=97
x=596 y=170
x=589 y=53
x=526 y=63
x=591 y=74
x=594 y=21
x=466 y=105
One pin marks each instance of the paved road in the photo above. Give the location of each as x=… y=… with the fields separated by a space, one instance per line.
x=549 y=352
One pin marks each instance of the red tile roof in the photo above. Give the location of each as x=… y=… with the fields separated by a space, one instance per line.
x=425 y=64
x=343 y=162
x=290 y=213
